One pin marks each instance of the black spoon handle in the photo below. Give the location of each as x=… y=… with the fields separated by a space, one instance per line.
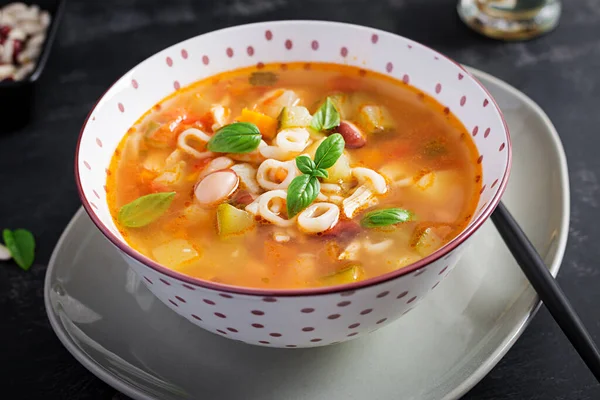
x=547 y=288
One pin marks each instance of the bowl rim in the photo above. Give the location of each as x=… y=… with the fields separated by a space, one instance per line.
x=345 y=288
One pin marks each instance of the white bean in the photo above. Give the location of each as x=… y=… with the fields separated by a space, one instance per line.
x=31 y=27
x=318 y=217
x=216 y=187
x=37 y=40
x=29 y=54
x=14 y=8
x=7 y=19
x=30 y=14
x=7 y=54
x=195 y=134
x=45 y=18
x=6 y=71
x=17 y=34
x=23 y=71
x=4 y=253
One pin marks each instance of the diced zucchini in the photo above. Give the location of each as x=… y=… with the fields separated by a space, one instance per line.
x=294 y=117
x=426 y=241
x=175 y=253
x=351 y=273
x=374 y=119
x=340 y=171
x=233 y=221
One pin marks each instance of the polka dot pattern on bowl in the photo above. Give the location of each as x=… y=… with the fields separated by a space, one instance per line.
x=296 y=320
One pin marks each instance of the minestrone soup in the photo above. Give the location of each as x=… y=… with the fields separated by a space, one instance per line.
x=293 y=176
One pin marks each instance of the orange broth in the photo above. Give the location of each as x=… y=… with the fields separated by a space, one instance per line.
x=428 y=161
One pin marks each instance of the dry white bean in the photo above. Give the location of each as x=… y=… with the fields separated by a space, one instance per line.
x=37 y=40
x=6 y=70
x=7 y=19
x=30 y=14
x=29 y=54
x=4 y=253
x=7 y=54
x=45 y=19
x=23 y=71
x=31 y=27
x=14 y=8
x=216 y=187
x=17 y=34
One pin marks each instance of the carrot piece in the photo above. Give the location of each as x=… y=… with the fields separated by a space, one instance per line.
x=280 y=174
x=266 y=125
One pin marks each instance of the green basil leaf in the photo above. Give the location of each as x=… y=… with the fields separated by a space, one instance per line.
x=21 y=245
x=327 y=117
x=265 y=78
x=239 y=137
x=305 y=164
x=385 y=217
x=320 y=173
x=302 y=191
x=145 y=209
x=329 y=151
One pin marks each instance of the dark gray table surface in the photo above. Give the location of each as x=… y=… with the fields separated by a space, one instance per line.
x=100 y=40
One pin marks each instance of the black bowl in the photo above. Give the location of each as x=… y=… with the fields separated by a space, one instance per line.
x=17 y=97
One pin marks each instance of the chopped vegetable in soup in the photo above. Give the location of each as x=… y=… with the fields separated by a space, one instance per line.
x=293 y=177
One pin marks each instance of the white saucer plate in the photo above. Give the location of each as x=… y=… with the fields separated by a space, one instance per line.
x=117 y=329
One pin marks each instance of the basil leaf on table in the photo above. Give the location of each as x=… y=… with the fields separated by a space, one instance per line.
x=385 y=217
x=238 y=137
x=145 y=209
x=327 y=117
x=21 y=245
x=302 y=191
x=305 y=164
x=329 y=151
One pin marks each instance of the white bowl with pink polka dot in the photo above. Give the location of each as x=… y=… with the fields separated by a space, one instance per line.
x=308 y=317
